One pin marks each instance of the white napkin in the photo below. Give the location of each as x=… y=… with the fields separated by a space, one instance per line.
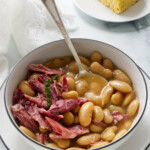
x=3 y=69
x=30 y=25
x=5 y=17
x=33 y=26
x=5 y=6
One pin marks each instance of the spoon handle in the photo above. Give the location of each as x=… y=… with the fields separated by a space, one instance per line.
x=52 y=8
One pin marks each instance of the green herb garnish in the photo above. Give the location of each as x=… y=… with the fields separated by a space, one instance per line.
x=48 y=105
x=55 y=77
x=48 y=87
x=47 y=91
x=46 y=83
x=49 y=98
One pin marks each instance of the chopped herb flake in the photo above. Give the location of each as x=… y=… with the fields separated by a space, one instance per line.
x=46 y=83
x=49 y=98
x=47 y=91
x=48 y=105
x=55 y=77
x=48 y=87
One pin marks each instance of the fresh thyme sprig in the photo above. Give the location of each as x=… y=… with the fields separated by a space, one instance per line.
x=48 y=87
x=55 y=77
x=48 y=92
x=46 y=83
x=48 y=105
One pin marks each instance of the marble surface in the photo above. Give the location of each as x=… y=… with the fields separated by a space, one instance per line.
x=125 y=36
x=128 y=37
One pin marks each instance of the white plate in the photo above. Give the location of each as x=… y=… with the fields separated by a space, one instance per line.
x=96 y=9
x=138 y=141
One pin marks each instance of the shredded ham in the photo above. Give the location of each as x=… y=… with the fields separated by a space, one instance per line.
x=18 y=95
x=118 y=117
x=56 y=91
x=64 y=84
x=40 y=100
x=35 y=115
x=62 y=106
x=60 y=132
x=25 y=119
x=42 y=138
x=46 y=139
x=115 y=113
x=81 y=101
x=101 y=124
x=43 y=77
x=43 y=69
x=54 y=114
x=79 y=130
x=36 y=85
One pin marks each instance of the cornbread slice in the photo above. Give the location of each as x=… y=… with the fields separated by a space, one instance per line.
x=118 y=6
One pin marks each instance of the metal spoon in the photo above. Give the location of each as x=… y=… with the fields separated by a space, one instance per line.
x=52 y=8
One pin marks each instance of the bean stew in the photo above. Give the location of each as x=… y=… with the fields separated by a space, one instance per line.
x=59 y=110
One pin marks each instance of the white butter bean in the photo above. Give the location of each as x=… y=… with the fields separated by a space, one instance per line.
x=85 y=114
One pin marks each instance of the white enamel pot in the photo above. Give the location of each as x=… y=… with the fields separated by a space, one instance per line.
x=84 y=47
